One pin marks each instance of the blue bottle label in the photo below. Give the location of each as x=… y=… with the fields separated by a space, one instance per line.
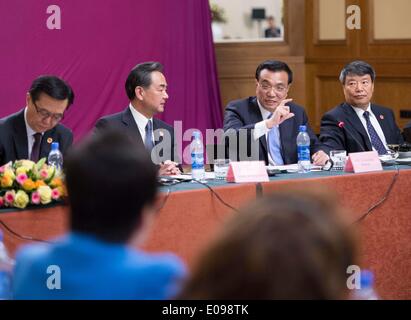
x=197 y=161
x=303 y=153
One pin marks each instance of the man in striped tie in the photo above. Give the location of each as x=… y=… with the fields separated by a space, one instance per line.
x=357 y=124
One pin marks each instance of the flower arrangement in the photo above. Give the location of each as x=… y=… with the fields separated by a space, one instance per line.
x=25 y=182
x=217 y=13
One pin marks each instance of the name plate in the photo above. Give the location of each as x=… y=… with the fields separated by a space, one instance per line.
x=247 y=171
x=363 y=162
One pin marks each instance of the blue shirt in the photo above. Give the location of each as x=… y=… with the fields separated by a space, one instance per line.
x=93 y=269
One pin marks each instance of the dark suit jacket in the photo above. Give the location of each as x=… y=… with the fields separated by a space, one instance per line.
x=124 y=121
x=353 y=137
x=13 y=138
x=270 y=33
x=245 y=113
x=407 y=132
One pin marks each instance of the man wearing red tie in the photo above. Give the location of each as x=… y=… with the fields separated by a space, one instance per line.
x=28 y=134
x=357 y=124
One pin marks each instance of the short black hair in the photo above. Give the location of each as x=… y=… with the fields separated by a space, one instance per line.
x=140 y=76
x=110 y=179
x=52 y=86
x=357 y=68
x=274 y=66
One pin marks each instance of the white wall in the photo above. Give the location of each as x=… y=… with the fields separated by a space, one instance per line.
x=238 y=13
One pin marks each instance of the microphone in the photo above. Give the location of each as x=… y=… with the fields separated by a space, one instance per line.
x=341 y=124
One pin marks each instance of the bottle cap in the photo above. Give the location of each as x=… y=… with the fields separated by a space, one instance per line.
x=55 y=146
x=303 y=128
x=196 y=134
x=367 y=279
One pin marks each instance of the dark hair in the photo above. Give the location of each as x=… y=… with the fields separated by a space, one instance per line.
x=110 y=179
x=289 y=245
x=140 y=76
x=358 y=68
x=52 y=86
x=275 y=66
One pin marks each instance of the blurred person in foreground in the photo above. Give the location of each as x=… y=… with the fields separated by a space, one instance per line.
x=112 y=189
x=285 y=246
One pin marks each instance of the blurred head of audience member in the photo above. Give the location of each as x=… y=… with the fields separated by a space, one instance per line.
x=112 y=185
x=47 y=100
x=289 y=245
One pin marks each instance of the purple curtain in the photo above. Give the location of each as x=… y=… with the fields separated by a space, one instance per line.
x=98 y=44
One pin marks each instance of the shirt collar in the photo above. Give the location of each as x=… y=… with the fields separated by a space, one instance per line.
x=140 y=119
x=30 y=131
x=360 y=111
x=264 y=112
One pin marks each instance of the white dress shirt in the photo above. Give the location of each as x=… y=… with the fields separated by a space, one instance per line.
x=30 y=135
x=374 y=122
x=261 y=129
x=141 y=122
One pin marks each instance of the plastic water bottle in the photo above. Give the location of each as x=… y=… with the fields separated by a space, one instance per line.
x=366 y=292
x=303 y=149
x=55 y=157
x=197 y=157
x=6 y=269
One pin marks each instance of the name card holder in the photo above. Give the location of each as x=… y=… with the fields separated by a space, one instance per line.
x=363 y=162
x=247 y=171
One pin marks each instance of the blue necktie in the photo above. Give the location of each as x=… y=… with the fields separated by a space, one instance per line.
x=274 y=145
x=375 y=139
x=149 y=136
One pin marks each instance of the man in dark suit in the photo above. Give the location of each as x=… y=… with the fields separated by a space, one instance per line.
x=358 y=125
x=407 y=132
x=270 y=119
x=272 y=31
x=146 y=87
x=28 y=134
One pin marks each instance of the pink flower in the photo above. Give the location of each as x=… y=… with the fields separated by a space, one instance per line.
x=55 y=194
x=35 y=197
x=21 y=178
x=44 y=174
x=1 y=202
x=9 y=197
x=2 y=168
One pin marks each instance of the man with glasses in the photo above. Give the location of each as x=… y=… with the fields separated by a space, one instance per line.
x=271 y=119
x=28 y=134
x=358 y=125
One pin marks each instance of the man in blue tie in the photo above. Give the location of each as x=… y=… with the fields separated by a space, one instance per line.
x=146 y=88
x=358 y=125
x=270 y=119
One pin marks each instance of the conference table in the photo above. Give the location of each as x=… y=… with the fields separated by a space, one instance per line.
x=191 y=214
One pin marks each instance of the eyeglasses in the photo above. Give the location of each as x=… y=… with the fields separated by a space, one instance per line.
x=280 y=89
x=44 y=114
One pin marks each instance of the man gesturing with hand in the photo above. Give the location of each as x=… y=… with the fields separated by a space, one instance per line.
x=272 y=120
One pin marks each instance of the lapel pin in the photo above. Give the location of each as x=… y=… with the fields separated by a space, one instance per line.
x=49 y=140
x=381 y=117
